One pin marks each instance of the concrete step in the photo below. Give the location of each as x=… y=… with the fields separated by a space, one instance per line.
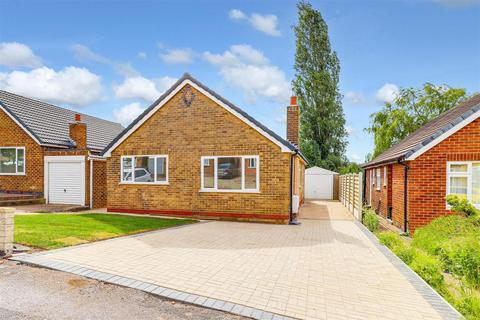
x=21 y=202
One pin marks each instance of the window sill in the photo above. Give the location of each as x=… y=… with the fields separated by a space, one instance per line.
x=12 y=174
x=146 y=183
x=228 y=191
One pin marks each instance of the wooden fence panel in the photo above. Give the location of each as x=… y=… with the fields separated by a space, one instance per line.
x=350 y=193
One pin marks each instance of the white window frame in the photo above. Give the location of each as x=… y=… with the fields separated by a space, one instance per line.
x=215 y=174
x=468 y=174
x=16 y=160
x=378 y=178
x=154 y=173
x=385 y=176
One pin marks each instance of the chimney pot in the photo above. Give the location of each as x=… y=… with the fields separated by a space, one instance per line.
x=78 y=117
x=293 y=100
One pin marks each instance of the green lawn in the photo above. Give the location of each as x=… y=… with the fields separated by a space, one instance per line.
x=50 y=231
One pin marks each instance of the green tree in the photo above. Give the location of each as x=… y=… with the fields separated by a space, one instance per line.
x=352 y=167
x=317 y=69
x=412 y=109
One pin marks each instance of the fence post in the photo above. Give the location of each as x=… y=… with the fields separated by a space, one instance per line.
x=360 y=196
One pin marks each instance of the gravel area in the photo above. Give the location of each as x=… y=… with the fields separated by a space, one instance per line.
x=35 y=293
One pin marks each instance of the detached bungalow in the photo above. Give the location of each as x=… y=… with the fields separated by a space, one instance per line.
x=407 y=184
x=193 y=153
x=50 y=153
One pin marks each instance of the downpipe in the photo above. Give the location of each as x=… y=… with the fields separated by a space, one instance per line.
x=293 y=217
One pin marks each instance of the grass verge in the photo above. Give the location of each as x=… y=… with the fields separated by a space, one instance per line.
x=51 y=231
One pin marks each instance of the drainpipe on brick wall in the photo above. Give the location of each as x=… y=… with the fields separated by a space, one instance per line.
x=405 y=195
x=293 y=218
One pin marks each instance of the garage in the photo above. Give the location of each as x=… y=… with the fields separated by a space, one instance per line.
x=65 y=180
x=320 y=183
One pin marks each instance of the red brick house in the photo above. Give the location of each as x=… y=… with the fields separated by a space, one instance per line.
x=51 y=154
x=193 y=153
x=407 y=184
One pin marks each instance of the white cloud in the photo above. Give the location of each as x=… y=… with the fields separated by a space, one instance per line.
x=14 y=54
x=71 y=85
x=83 y=53
x=142 y=88
x=267 y=23
x=128 y=113
x=387 y=93
x=248 y=69
x=178 y=56
x=142 y=55
x=236 y=14
x=355 y=98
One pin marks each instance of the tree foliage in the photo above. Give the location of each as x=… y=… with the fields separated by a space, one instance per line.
x=352 y=167
x=412 y=109
x=317 y=69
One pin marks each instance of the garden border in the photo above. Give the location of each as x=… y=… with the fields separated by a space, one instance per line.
x=445 y=309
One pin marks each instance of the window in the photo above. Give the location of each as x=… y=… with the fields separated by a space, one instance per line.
x=145 y=169
x=385 y=176
x=379 y=178
x=230 y=174
x=463 y=180
x=12 y=160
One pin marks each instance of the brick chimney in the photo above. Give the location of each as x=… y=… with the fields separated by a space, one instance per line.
x=293 y=121
x=78 y=132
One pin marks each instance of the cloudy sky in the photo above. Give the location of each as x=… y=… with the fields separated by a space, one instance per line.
x=113 y=58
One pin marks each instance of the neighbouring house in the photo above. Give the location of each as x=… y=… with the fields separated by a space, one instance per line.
x=52 y=153
x=193 y=153
x=407 y=184
x=321 y=184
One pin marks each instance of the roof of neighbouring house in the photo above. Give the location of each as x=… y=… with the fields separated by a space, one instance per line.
x=49 y=124
x=431 y=133
x=318 y=170
x=230 y=105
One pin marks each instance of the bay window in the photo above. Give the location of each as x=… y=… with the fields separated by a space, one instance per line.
x=230 y=174
x=12 y=160
x=144 y=169
x=463 y=181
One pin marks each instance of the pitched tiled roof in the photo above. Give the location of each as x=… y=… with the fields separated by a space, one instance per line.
x=428 y=133
x=49 y=124
x=187 y=76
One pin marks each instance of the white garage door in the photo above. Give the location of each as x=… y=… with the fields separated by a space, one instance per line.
x=319 y=186
x=66 y=181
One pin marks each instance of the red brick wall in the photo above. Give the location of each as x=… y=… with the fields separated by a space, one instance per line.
x=397 y=195
x=427 y=176
x=185 y=134
x=379 y=200
x=14 y=136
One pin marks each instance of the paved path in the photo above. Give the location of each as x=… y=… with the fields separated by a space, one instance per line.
x=329 y=267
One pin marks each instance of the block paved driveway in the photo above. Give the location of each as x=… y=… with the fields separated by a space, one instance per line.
x=326 y=268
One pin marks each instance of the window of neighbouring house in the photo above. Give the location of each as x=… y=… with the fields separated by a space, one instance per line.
x=379 y=178
x=145 y=169
x=12 y=160
x=385 y=176
x=233 y=173
x=463 y=180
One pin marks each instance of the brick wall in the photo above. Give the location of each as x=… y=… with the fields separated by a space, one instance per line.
x=185 y=134
x=99 y=184
x=397 y=195
x=427 y=175
x=293 y=123
x=379 y=200
x=14 y=136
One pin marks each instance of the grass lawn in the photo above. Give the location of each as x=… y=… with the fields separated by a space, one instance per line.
x=50 y=231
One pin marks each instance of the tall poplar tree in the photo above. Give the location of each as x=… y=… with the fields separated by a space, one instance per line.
x=317 y=70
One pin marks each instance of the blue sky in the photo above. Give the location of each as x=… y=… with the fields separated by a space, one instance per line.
x=113 y=58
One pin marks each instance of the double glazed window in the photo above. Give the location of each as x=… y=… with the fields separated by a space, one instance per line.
x=12 y=160
x=378 y=173
x=234 y=173
x=463 y=180
x=145 y=169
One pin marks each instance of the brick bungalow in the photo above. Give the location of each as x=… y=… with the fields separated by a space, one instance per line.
x=407 y=184
x=51 y=153
x=193 y=153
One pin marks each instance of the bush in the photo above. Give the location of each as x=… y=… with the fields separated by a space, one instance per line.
x=398 y=246
x=461 y=206
x=461 y=256
x=437 y=233
x=469 y=305
x=390 y=239
x=370 y=220
x=429 y=268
